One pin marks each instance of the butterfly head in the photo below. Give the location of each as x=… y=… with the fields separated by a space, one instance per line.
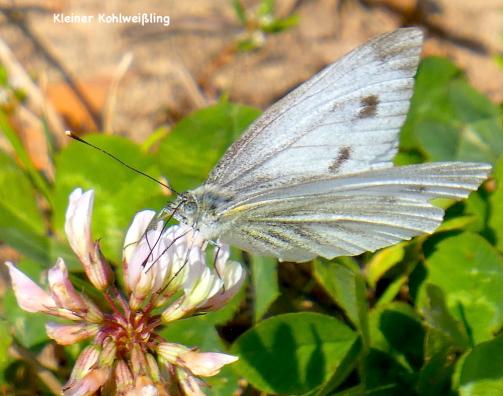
x=185 y=209
x=201 y=209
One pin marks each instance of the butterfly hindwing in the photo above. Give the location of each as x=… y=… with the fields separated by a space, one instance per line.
x=351 y=214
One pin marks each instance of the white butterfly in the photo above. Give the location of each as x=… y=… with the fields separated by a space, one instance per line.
x=313 y=176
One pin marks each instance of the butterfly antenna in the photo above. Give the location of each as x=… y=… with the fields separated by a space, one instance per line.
x=79 y=139
x=154 y=221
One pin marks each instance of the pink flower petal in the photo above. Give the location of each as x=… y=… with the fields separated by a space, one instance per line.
x=141 y=254
x=62 y=289
x=88 y=385
x=78 y=224
x=70 y=334
x=233 y=275
x=206 y=364
x=29 y=295
x=123 y=377
x=135 y=232
x=222 y=254
x=191 y=385
x=78 y=233
x=85 y=362
x=144 y=387
x=98 y=270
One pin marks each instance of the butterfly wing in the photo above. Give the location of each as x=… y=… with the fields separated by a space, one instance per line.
x=351 y=214
x=314 y=176
x=345 y=119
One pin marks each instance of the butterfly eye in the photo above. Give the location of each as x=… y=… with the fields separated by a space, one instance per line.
x=190 y=208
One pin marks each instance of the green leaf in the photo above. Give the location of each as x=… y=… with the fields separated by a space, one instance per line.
x=154 y=138
x=279 y=25
x=397 y=330
x=21 y=222
x=18 y=206
x=293 y=353
x=439 y=318
x=196 y=331
x=344 y=282
x=265 y=284
x=39 y=182
x=347 y=365
x=60 y=248
x=469 y=271
x=223 y=384
x=197 y=142
x=240 y=11
x=407 y=158
x=433 y=75
x=495 y=221
x=439 y=355
x=392 y=290
x=448 y=119
x=357 y=390
x=481 y=373
x=4 y=78
x=28 y=243
x=476 y=208
x=119 y=193
x=382 y=261
x=266 y=7
x=5 y=342
x=247 y=44
x=458 y=223
x=384 y=376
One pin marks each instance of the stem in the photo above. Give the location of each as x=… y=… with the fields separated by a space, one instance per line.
x=122 y=301
x=112 y=304
x=150 y=305
x=156 y=321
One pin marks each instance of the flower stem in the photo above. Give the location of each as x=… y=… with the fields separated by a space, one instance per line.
x=112 y=304
x=122 y=301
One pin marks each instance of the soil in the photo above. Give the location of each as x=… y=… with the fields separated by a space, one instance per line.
x=82 y=68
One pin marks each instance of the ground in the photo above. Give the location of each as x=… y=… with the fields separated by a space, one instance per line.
x=131 y=79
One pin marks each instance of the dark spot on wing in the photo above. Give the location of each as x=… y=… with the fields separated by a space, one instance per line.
x=342 y=156
x=385 y=54
x=387 y=47
x=387 y=200
x=417 y=189
x=368 y=106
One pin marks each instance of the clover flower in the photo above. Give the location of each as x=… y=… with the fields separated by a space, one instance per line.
x=166 y=278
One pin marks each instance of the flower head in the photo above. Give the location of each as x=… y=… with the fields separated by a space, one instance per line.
x=166 y=277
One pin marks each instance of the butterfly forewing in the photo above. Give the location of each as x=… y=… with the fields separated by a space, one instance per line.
x=345 y=119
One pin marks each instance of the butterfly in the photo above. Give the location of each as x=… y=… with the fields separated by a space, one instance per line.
x=313 y=176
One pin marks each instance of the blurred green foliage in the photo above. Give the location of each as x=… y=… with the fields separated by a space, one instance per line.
x=260 y=22
x=423 y=317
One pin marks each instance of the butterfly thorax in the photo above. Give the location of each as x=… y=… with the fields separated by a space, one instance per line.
x=201 y=209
